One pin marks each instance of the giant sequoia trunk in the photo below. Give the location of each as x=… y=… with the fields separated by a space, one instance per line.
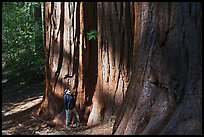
x=144 y=68
x=165 y=92
x=115 y=40
x=69 y=53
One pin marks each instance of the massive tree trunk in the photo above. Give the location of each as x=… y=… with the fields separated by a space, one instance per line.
x=115 y=40
x=54 y=20
x=87 y=60
x=144 y=68
x=59 y=49
x=165 y=92
x=68 y=52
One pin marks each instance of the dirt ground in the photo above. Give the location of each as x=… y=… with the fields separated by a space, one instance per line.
x=20 y=99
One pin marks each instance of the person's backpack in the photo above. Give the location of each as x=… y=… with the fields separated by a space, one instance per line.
x=69 y=101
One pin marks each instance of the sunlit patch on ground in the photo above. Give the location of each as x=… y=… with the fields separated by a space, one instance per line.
x=23 y=106
x=21 y=99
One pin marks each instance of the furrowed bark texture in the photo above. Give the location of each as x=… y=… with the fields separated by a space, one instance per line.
x=53 y=51
x=68 y=52
x=165 y=92
x=115 y=39
x=88 y=59
x=144 y=69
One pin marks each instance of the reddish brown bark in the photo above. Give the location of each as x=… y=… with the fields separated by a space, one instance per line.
x=164 y=95
x=65 y=26
x=144 y=68
x=115 y=25
x=88 y=59
x=60 y=46
x=53 y=61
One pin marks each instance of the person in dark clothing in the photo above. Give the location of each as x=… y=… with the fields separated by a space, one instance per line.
x=69 y=103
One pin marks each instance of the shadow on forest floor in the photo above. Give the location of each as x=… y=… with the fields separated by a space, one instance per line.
x=21 y=98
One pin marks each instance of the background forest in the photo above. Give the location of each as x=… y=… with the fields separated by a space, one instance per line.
x=22 y=38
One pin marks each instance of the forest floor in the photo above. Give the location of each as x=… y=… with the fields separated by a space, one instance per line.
x=21 y=98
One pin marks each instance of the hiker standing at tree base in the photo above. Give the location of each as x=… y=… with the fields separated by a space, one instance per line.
x=69 y=104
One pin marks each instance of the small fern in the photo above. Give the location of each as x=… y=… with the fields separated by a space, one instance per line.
x=92 y=34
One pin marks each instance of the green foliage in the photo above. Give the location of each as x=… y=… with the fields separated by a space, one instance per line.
x=22 y=37
x=92 y=34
